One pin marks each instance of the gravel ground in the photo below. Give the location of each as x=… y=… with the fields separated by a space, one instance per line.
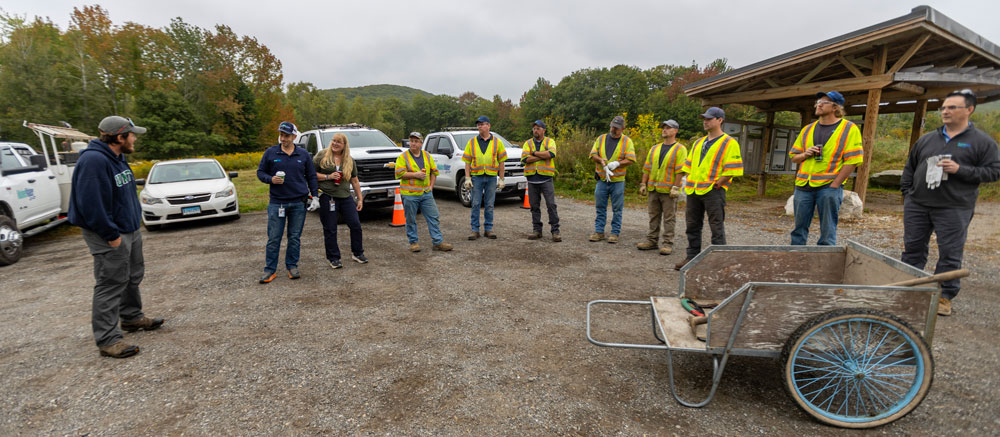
x=487 y=339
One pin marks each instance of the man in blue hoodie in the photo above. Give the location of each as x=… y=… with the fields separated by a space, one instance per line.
x=104 y=205
x=289 y=171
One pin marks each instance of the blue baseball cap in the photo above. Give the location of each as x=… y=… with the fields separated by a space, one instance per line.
x=482 y=119
x=539 y=123
x=834 y=96
x=714 y=112
x=287 y=128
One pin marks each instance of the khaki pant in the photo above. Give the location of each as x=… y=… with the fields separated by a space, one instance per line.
x=662 y=209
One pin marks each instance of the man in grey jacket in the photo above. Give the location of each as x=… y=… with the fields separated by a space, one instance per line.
x=940 y=185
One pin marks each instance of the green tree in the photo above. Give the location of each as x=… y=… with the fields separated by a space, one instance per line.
x=174 y=130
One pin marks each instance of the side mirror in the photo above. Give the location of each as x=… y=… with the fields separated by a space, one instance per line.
x=38 y=161
x=233 y=174
x=446 y=151
x=140 y=182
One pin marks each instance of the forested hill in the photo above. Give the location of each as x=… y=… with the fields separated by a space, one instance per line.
x=372 y=92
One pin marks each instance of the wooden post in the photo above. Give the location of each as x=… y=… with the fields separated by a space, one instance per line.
x=765 y=149
x=871 y=122
x=918 y=122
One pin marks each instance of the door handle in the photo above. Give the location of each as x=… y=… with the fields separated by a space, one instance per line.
x=52 y=177
x=31 y=181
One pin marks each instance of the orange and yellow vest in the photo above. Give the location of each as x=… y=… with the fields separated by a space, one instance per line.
x=665 y=175
x=546 y=167
x=489 y=162
x=624 y=150
x=407 y=163
x=842 y=148
x=722 y=159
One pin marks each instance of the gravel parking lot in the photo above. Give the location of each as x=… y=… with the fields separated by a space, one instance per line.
x=485 y=340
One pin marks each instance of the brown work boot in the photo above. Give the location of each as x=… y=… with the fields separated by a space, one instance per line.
x=490 y=235
x=444 y=247
x=474 y=235
x=556 y=237
x=681 y=264
x=613 y=239
x=944 y=306
x=535 y=235
x=119 y=350
x=666 y=250
x=143 y=323
x=646 y=245
x=414 y=247
x=596 y=236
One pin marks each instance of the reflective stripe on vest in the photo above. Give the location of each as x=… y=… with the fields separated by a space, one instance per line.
x=543 y=167
x=824 y=171
x=620 y=171
x=669 y=170
x=485 y=162
x=701 y=178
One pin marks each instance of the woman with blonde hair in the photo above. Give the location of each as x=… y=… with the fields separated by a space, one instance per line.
x=337 y=173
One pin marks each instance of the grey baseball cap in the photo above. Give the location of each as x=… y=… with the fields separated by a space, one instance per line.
x=115 y=125
x=670 y=123
x=618 y=122
x=714 y=112
x=416 y=134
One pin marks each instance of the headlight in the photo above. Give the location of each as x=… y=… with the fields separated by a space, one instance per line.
x=149 y=200
x=225 y=193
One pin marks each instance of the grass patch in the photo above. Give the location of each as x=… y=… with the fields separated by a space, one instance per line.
x=253 y=194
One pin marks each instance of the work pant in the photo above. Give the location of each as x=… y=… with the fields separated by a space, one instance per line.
x=295 y=213
x=712 y=203
x=535 y=194
x=662 y=210
x=423 y=203
x=484 y=194
x=117 y=274
x=825 y=201
x=951 y=226
x=342 y=207
x=604 y=191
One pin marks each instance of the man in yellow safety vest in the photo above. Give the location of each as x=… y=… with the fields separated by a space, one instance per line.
x=539 y=158
x=612 y=153
x=711 y=164
x=661 y=180
x=827 y=151
x=484 y=157
x=417 y=172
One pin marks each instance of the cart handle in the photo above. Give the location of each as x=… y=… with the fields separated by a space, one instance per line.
x=622 y=345
x=940 y=277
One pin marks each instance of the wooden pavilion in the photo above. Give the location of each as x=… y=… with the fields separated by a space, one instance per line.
x=907 y=64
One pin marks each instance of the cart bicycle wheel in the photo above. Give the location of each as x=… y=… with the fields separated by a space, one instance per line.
x=857 y=368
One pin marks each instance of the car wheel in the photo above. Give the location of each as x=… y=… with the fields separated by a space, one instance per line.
x=464 y=194
x=11 y=241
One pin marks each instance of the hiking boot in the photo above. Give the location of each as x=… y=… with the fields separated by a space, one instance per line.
x=360 y=259
x=474 y=235
x=535 y=235
x=490 y=235
x=414 y=247
x=646 y=245
x=596 y=236
x=666 y=250
x=335 y=264
x=144 y=323
x=681 y=264
x=119 y=350
x=293 y=273
x=613 y=239
x=268 y=277
x=556 y=238
x=443 y=247
x=944 y=306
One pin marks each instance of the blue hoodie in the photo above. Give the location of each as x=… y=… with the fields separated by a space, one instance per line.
x=103 y=199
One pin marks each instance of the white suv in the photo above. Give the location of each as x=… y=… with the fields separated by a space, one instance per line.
x=371 y=149
x=447 y=148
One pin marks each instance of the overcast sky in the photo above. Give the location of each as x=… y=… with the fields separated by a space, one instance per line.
x=502 y=47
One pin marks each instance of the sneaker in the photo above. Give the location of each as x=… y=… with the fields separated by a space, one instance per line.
x=944 y=306
x=612 y=239
x=143 y=323
x=268 y=277
x=414 y=247
x=293 y=273
x=335 y=264
x=535 y=235
x=681 y=264
x=360 y=259
x=443 y=247
x=490 y=235
x=646 y=245
x=666 y=250
x=556 y=238
x=474 y=236
x=119 y=350
x=596 y=236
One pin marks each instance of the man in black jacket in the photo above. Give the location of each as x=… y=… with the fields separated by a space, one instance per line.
x=940 y=185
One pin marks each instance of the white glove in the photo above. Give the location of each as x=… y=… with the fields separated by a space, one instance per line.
x=607 y=174
x=467 y=184
x=675 y=192
x=934 y=173
x=642 y=190
x=313 y=204
x=500 y=184
x=613 y=165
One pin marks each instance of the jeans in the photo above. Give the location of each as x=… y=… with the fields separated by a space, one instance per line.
x=423 y=203
x=535 y=194
x=827 y=202
x=616 y=191
x=295 y=212
x=484 y=194
x=117 y=274
x=713 y=204
x=951 y=226
x=346 y=208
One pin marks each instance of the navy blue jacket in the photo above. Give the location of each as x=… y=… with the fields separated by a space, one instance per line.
x=978 y=162
x=300 y=175
x=103 y=198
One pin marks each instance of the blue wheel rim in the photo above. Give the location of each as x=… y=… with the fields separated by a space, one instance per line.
x=857 y=370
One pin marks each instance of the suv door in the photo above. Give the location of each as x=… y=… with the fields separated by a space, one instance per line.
x=15 y=187
x=442 y=152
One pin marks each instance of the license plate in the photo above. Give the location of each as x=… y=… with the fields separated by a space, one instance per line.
x=390 y=192
x=191 y=210
x=522 y=185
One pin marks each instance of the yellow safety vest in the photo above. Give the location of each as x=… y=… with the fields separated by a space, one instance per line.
x=663 y=176
x=723 y=159
x=843 y=147
x=625 y=150
x=406 y=163
x=489 y=162
x=545 y=167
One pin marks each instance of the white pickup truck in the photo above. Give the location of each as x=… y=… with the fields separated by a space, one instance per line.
x=447 y=146
x=34 y=188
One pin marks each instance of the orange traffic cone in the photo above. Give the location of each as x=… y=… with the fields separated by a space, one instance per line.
x=398 y=217
x=527 y=203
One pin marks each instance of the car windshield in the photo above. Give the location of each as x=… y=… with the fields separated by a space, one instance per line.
x=357 y=139
x=185 y=171
x=461 y=139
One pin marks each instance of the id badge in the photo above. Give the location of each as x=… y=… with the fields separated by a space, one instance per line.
x=333 y=205
x=281 y=211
